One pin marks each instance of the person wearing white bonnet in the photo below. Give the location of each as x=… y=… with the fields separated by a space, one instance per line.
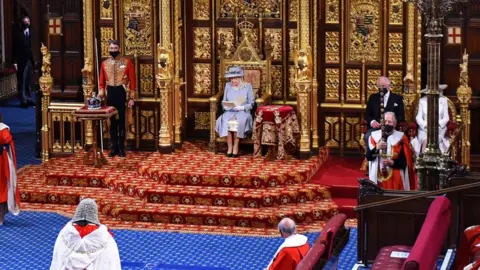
x=84 y=243
x=238 y=100
x=420 y=143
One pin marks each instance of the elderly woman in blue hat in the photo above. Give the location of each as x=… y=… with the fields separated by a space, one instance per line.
x=238 y=100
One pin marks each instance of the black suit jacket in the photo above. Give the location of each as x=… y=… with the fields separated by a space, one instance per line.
x=22 y=49
x=394 y=104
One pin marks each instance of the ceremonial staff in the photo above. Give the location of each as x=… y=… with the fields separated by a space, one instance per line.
x=98 y=87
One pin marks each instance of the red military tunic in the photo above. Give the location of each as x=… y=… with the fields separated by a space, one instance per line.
x=116 y=72
x=290 y=253
x=8 y=176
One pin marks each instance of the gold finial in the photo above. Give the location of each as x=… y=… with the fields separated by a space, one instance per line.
x=303 y=63
x=165 y=62
x=464 y=70
x=46 y=63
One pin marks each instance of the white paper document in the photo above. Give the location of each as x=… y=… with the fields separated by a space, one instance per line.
x=398 y=254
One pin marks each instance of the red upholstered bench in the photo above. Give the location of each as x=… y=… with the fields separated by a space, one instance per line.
x=427 y=247
x=331 y=241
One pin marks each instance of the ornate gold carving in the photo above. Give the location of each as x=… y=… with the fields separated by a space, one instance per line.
x=225 y=37
x=164 y=79
x=277 y=81
x=273 y=37
x=293 y=10
x=396 y=81
x=147 y=125
x=146 y=78
x=292 y=91
x=202 y=43
x=202 y=82
x=106 y=11
x=332 y=11
x=332 y=47
x=395 y=48
x=202 y=120
x=372 y=76
x=352 y=132
x=364 y=30
x=106 y=34
x=165 y=36
x=353 y=85
x=201 y=9
x=292 y=42
x=137 y=16
x=332 y=84
x=303 y=64
x=46 y=83
x=304 y=24
x=165 y=62
x=332 y=131
x=464 y=95
x=396 y=12
x=264 y=8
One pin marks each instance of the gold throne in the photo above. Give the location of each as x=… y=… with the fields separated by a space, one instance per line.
x=257 y=71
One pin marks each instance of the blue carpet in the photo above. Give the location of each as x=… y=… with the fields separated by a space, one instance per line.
x=31 y=237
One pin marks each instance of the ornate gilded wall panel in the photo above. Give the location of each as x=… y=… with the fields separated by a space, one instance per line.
x=332 y=11
x=137 y=16
x=277 y=81
x=364 y=30
x=225 y=36
x=273 y=36
x=332 y=84
x=202 y=42
x=147 y=125
x=353 y=85
x=352 y=132
x=202 y=79
x=292 y=41
x=332 y=47
x=202 y=120
x=396 y=81
x=332 y=131
x=268 y=8
x=201 y=9
x=106 y=34
x=146 y=79
x=292 y=92
x=395 y=12
x=106 y=11
x=293 y=10
x=395 y=48
x=372 y=76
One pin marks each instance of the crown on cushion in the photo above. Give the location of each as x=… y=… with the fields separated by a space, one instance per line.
x=94 y=103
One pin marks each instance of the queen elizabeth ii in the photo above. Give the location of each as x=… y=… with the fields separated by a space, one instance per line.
x=237 y=102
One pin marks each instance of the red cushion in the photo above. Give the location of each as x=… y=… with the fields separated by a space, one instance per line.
x=312 y=257
x=330 y=231
x=102 y=110
x=383 y=261
x=432 y=236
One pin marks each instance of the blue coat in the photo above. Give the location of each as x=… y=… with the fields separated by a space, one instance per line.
x=244 y=117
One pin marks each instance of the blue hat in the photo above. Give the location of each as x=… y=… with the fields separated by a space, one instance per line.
x=234 y=72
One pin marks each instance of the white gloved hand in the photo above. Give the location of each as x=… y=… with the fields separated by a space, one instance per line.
x=239 y=108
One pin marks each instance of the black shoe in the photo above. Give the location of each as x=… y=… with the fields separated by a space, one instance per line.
x=113 y=153
x=235 y=155
x=229 y=155
x=121 y=153
x=24 y=105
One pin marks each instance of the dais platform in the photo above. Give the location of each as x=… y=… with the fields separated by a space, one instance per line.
x=189 y=190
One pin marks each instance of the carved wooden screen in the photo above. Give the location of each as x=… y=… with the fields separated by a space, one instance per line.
x=211 y=23
x=359 y=42
x=133 y=23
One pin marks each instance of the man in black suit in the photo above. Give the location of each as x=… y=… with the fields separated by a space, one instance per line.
x=24 y=63
x=392 y=103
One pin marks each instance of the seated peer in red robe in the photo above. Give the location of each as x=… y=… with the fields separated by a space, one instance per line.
x=469 y=244
x=292 y=250
x=9 y=193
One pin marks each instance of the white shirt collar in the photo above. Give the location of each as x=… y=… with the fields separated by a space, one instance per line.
x=385 y=98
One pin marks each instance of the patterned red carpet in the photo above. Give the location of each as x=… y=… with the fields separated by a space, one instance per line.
x=190 y=190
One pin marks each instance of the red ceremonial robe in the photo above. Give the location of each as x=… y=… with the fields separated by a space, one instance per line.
x=468 y=246
x=400 y=179
x=290 y=253
x=9 y=193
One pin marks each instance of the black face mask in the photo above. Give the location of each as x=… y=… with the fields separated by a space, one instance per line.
x=383 y=90
x=114 y=54
x=388 y=129
x=25 y=26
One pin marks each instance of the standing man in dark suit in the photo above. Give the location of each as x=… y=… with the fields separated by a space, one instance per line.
x=392 y=103
x=24 y=63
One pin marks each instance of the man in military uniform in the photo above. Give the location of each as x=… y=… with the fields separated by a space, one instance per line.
x=117 y=76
